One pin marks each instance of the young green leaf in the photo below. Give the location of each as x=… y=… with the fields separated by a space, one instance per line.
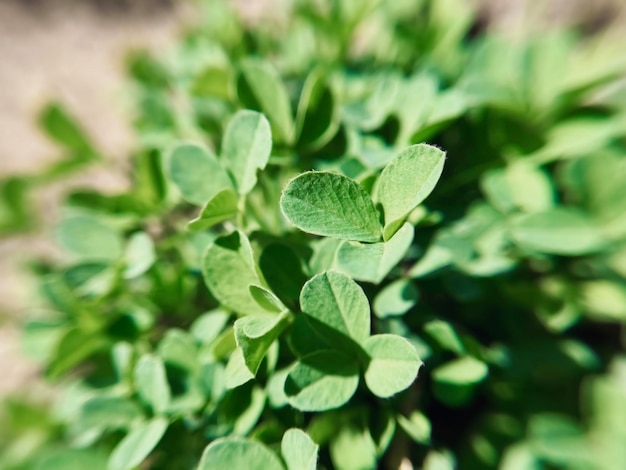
x=395 y=299
x=406 y=181
x=140 y=255
x=393 y=364
x=298 y=450
x=221 y=207
x=197 y=173
x=371 y=262
x=229 y=269
x=337 y=302
x=322 y=381
x=283 y=270
x=353 y=448
x=559 y=231
x=151 y=382
x=465 y=370
x=331 y=205
x=88 y=238
x=137 y=445
x=246 y=148
x=237 y=372
x=318 y=115
x=238 y=453
x=255 y=334
x=417 y=426
x=260 y=88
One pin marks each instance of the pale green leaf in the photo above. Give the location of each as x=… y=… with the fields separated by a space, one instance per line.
x=560 y=231
x=406 y=181
x=246 y=148
x=221 y=207
x=331 y=205
x=197 y=173
x=337 y=302
x=266 y=299
x=322 y=381
x=298 y=450
x=137 y=445
x=235 y=453
x=462 y=371
x=353 y=449
x=395 y=299
x=89 y=238
x=255 y=334
x=260 y=87
x=237 y=372
x=393 y=364
x=228 y=268
x=445 y=335
x=151 y=382
x=140 y=255
x=417 y=426
x=372 y=262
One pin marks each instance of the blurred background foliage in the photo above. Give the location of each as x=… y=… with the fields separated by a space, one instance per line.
x=519 y=257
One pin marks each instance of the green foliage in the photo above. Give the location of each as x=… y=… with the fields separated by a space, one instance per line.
x=297 y=281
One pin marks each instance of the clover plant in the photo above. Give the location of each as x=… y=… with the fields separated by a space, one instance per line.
x=359 y=235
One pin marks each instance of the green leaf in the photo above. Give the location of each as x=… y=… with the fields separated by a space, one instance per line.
x=177 y=348
x=455 y=381
x=221 y=207
x=238 y=453
x=63 y=129
x=318 y=116
x=353 y=449
x=151 y=382
x=406 y=181
x=140 y=255
x=445 y=335
x=395 y=299
x=246 y=148
x=89 y=239
x=255 y=334
x=465 y=370
x=331 y=205
x=298 y=450
x=237 y=372
x=197 y=173
x=417 y=426
x=283 y=271
x=260 y=87
x=560 y=231
x=73 y=459
x=267 y=299
x=372 y=262
x=322 y=381
x=110 y=413
x=335 y=301
x=137 y=445
x=393 y=364
x=229 y=269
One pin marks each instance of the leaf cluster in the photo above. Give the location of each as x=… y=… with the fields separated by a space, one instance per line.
x=297 y=280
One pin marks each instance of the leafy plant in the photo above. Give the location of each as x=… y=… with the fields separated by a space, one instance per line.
x=296 y=280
